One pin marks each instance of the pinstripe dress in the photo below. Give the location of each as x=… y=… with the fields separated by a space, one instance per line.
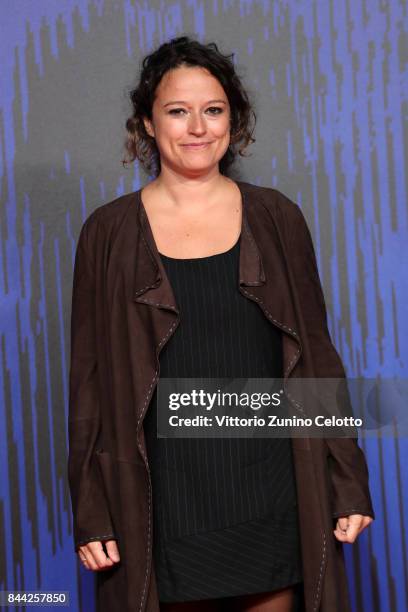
x=224 y=509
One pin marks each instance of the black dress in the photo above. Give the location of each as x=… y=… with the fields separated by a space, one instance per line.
x=225 y=509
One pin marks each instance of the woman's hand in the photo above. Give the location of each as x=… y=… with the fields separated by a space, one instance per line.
x=349 y=527
x=94 y=558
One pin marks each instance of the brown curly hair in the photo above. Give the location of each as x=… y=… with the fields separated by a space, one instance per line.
x=184 y=51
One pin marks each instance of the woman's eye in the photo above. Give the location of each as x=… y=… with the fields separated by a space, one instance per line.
x=176 y=111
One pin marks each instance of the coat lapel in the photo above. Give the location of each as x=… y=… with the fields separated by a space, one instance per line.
x=151 y=284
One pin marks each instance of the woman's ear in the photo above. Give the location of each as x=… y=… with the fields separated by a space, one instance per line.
x=149 y=127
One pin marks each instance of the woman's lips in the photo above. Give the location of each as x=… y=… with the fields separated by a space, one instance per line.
x=196 y=145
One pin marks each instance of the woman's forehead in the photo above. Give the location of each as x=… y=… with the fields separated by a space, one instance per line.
x=190 y=81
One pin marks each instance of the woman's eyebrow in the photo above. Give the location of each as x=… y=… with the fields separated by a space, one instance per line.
x=186 y=103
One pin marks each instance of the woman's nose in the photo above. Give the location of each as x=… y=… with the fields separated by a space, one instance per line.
x=197 y=123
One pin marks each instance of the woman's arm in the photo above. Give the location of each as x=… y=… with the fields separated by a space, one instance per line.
x=91 y=516
x=347 y=464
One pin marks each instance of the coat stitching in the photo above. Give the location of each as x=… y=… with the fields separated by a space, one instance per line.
x=319 y=582
x=347 y=510
x=318 y=588
x=155 y=303
x=146 y=461
x=149 y=500
x=99 y=537
x=292 y=332
x=138 y=422
x=143 y=289
x=289 y=329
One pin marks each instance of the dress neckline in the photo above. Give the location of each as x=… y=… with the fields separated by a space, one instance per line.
x=205 y=258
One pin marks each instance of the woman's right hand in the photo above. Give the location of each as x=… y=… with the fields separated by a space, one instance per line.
x=94 y=558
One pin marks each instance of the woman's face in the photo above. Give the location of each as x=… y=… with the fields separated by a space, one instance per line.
x=190 y=107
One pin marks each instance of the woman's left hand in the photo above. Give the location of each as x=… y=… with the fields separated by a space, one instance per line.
x=349 y=527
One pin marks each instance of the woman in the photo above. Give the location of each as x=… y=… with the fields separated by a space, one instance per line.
x=198 y=275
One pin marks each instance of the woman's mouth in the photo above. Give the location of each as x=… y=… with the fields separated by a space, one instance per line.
x=200 y=145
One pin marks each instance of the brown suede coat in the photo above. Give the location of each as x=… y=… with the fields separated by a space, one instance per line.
x=123 y=313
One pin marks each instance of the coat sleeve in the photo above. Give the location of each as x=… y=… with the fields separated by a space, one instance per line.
x=91 y=517
x=346 y=461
